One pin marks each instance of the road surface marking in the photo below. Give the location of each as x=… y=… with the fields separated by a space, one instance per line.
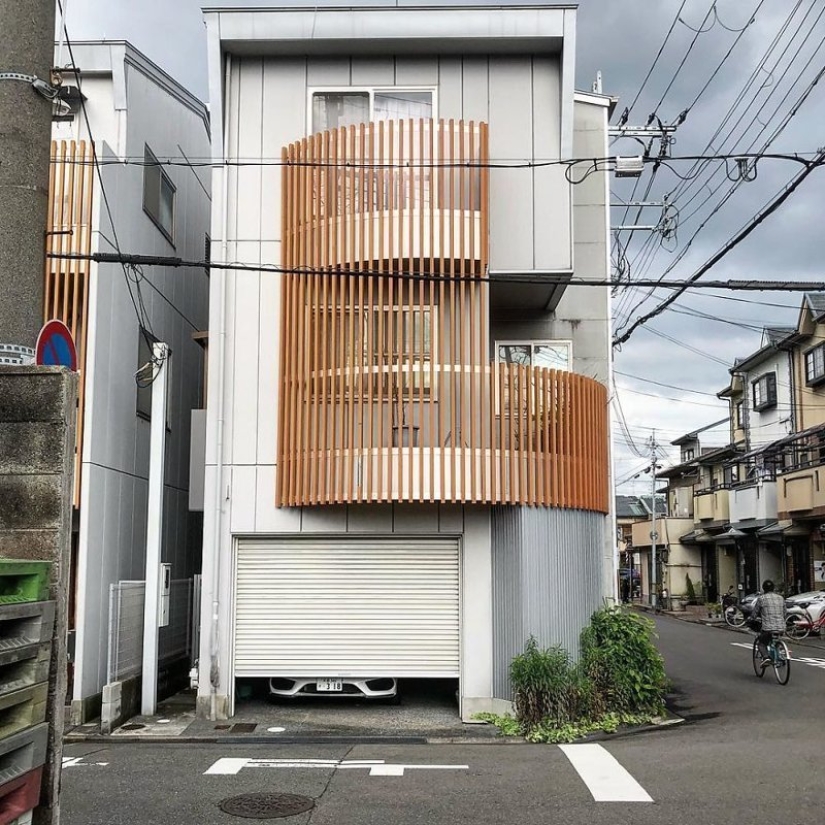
x=73 y=761
x=605 y=778
x=805 y=660
x=230 y=766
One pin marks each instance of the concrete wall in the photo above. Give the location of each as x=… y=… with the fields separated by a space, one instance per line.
x=37 y=437
x=115 y=461
x=547 y=581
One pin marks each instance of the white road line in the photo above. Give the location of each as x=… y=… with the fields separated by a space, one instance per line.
x=605 y=778
x=805 y=660
x=230 y=766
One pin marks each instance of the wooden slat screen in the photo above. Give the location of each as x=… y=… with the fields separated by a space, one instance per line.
x=387 y=390
x=69 y=230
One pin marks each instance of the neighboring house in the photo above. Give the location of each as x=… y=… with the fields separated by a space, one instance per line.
x=407 y=446
x=136 y=113
x=630 y=510
x=697 y=513
x=759 y=502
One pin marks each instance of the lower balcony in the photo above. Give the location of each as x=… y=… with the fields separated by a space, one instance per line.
x=712 y=505
x=498 y=434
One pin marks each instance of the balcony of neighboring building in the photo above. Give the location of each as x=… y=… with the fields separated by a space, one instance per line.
x=800 y=478
x=388 y=390
x=712 y=506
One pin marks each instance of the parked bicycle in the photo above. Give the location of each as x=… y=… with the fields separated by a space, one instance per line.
x=736 y=612
x=800 y=624
x=779 y=658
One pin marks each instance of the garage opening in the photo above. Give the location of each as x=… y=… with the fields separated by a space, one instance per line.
x=335 y=620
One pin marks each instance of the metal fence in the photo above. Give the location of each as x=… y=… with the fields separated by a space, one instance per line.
x=126 y=600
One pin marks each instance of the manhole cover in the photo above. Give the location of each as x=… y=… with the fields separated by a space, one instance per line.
x=133 y=726
x=266 y=805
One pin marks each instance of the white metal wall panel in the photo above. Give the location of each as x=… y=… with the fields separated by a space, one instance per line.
x=365 y=607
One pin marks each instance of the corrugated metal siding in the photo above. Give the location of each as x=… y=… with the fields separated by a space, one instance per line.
x=547 y=580
x=371 y=607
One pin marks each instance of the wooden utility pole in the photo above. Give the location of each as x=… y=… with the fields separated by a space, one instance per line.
x=26 y=52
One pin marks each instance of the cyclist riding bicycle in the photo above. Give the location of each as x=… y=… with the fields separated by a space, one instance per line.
x=770 y=609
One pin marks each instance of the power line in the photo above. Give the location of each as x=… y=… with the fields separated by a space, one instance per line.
x=730 y=245
x=749 y=285
x=656 y=59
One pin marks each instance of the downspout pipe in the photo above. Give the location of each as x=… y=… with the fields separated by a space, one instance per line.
x=214 y=635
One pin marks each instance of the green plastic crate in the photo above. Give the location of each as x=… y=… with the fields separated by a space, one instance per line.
x=24 y=581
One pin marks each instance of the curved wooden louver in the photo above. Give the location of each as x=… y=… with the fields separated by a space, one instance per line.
x=69 y=230
x=387 y=393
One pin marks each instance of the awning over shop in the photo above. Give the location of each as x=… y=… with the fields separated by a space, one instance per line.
x=780 y=529
x=729 y=536
x=696 y=537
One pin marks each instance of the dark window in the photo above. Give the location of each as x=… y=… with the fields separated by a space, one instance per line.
x=739 y=421
x=207 y=254
x=764 y=391
x=688 y=455
x=158 y=195
x=815 y=365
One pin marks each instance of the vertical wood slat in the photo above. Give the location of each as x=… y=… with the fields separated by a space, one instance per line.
x=283 y=338
x=65 y=281
x=542 y=432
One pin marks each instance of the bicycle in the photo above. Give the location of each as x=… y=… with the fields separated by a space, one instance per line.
x=779 y=658
x=800 y=625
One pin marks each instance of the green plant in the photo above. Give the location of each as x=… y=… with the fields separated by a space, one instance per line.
x=541 y=679
x=620 y=659
x=506 y=724
x=690 y=590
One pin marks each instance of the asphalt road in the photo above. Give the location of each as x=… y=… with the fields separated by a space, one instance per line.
x=750 y=751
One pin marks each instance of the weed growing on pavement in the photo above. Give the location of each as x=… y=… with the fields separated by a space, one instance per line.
x=619 y=680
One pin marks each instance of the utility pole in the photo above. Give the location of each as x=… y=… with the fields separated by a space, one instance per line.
x=653 y=534
x=26 y=58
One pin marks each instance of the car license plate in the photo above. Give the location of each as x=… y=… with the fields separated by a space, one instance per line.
x=329 y=686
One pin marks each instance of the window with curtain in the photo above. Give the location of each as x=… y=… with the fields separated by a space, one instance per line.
x=333 y=110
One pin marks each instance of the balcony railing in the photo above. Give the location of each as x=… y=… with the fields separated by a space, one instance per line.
x=800 y=492
x=411 y=191
x=501 y=434
x=712 y=504
x=66 y=282
x=387 y=391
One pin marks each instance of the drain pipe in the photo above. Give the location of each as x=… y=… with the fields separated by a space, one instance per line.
x=214 y=649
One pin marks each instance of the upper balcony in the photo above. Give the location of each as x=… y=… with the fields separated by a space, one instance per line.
x=388 y=392
x=711 y=506
x=754 y=501
x=801 y=492
x=380 y=195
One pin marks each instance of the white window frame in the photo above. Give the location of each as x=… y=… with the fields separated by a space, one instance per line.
x=542 y=342
x=811 y=355
x=371 y=91
x=539 y=342
x=168 y=233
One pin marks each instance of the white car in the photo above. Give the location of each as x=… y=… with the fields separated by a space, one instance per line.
x=813 y=602
x=333 y=687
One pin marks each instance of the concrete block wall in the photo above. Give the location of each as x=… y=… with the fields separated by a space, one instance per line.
x=37 y=439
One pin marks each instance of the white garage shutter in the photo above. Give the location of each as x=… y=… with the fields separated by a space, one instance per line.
x=376 y=607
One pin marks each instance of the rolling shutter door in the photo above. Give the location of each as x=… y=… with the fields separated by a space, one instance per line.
x=374 y=607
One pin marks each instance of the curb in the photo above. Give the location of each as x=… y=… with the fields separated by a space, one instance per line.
x=672 y=720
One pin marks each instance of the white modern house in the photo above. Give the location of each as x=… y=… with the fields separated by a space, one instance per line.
x=137 y=115
x=407 y=441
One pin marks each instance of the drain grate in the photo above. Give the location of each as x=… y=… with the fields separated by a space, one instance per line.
x=266 y=805
x=244 y=727
x=133 y=726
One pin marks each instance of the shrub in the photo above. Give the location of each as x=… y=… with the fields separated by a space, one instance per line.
x=690 y=590
x=621 y=662
x=541 y=684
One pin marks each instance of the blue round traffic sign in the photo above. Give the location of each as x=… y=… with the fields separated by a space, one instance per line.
x=55 y=347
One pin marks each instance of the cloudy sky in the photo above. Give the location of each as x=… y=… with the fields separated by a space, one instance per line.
x=739 y=67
